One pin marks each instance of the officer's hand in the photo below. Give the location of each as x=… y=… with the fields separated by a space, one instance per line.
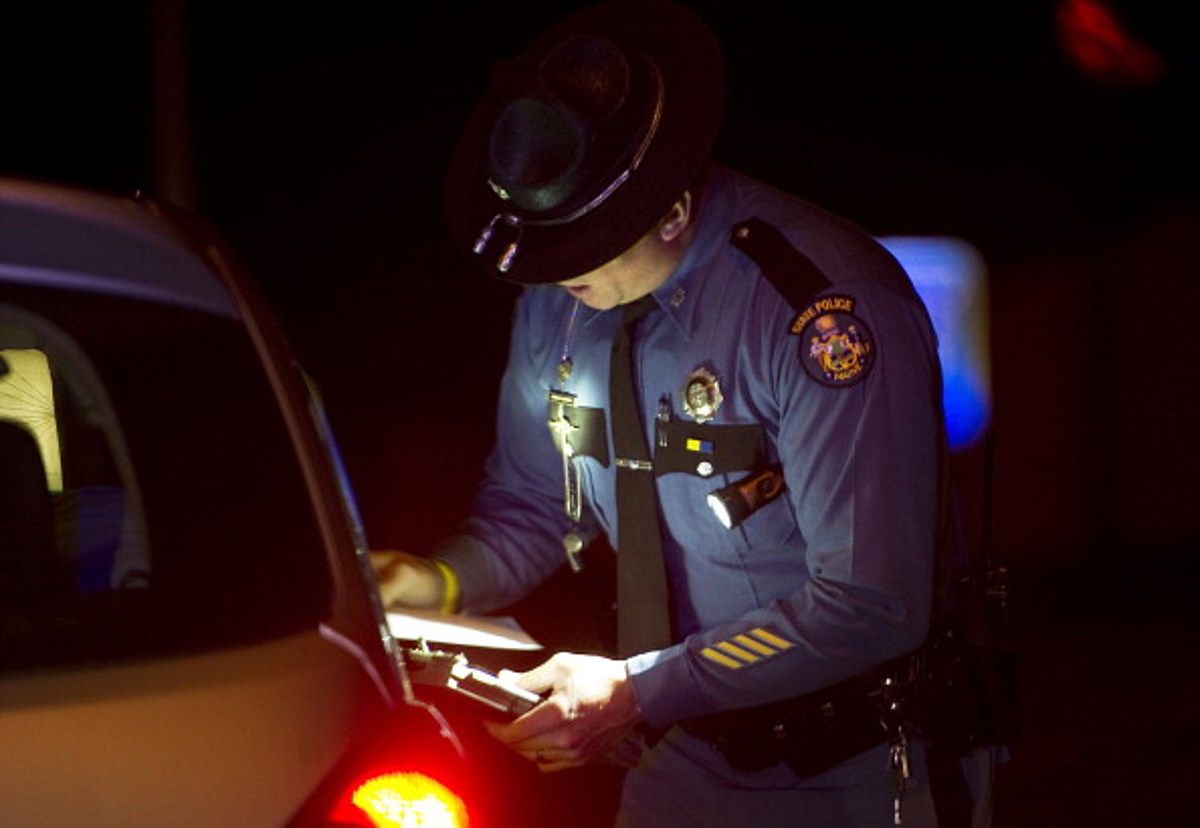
x=408 y=580
x=589 y=713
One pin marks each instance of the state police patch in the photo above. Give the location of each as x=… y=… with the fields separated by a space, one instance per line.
x=838 y=349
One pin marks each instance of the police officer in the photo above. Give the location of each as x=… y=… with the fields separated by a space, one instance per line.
x=784 y=372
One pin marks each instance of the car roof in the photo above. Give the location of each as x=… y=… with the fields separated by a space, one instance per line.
x=54 y=236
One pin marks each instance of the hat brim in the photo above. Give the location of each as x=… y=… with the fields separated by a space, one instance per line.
x=692 y=66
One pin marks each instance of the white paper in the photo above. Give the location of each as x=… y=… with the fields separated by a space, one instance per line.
x=500 y=633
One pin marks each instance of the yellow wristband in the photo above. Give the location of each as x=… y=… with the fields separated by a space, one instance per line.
x=450 y=583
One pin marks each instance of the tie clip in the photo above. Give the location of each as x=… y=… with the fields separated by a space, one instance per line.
x=636 y=465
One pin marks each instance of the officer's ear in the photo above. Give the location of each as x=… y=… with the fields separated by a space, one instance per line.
x=673 y=224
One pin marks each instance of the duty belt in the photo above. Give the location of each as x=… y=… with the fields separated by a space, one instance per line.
x=815 y=731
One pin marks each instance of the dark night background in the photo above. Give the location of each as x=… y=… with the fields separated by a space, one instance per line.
x=315 y=135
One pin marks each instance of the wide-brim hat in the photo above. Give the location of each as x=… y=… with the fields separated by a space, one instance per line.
x=583 y=142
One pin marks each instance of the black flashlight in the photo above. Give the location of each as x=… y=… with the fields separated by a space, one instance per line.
x=734 y=503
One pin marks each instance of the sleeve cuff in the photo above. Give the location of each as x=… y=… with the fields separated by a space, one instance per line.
x=665 y=689
x=463 y=561
x=449 y=586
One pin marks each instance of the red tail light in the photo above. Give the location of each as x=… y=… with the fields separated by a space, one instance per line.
x=400 y=800
x=409 y=799
x=409 y=770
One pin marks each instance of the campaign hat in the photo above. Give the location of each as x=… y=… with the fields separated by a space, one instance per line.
x=585 y=140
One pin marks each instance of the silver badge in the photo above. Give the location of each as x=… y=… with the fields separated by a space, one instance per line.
x=702 y=395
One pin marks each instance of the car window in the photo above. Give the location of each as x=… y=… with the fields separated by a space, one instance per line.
x=150 y=500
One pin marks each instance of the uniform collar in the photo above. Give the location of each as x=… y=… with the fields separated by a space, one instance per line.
x=679 y=295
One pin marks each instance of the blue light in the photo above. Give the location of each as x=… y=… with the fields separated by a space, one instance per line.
x=951 y=278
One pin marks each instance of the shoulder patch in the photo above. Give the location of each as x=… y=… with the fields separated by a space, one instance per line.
x=837 y=347
x=840 y=350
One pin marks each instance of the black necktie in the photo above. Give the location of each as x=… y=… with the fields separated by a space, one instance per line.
x=643 y=614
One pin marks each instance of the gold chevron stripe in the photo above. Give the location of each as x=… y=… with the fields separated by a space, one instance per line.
x=738 y=652
x=757 y=646
x=720 y=658
x=771 y=638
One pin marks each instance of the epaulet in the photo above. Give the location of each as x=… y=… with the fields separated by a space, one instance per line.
x=792 y=273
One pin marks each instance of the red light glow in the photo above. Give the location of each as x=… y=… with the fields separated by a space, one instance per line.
x=409 y=800
x=1100 y=45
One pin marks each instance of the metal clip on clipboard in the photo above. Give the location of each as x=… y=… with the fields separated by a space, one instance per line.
x=438 y=668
